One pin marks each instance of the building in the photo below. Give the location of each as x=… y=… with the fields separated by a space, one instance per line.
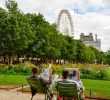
x=88 y=40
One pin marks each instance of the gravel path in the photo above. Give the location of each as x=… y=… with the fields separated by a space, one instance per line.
x=13 y=95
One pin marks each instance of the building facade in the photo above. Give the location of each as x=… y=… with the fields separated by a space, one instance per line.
x=88 y=40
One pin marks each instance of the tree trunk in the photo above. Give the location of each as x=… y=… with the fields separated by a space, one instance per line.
x=10 y=60
x=18 y=58
x=4 y=59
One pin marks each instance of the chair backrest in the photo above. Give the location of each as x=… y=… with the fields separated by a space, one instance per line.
x=36 y=85
x=67 y=89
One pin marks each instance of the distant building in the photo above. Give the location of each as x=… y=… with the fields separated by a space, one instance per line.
x=88 y=40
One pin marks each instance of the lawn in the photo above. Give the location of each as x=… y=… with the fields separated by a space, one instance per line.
x=13 y=80
x=98 y=88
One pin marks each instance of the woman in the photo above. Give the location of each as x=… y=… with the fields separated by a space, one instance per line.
x=76 y=77
x=65 y=77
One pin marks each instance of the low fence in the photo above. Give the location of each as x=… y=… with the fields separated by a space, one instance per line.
x=97 y=94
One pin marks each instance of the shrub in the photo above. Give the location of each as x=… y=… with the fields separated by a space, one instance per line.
x=24 y=68
x=88 y=71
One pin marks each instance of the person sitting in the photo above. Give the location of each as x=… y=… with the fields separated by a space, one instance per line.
x=44 y=82
x=76 y=77
x=65 y=76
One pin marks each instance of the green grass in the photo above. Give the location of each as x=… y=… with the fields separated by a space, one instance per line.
x=12 y=80
x=99 y=88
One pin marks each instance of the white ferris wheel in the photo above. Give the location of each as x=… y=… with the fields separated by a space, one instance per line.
x=65 y=23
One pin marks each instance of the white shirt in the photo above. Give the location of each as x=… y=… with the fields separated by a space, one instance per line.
x=79 y=82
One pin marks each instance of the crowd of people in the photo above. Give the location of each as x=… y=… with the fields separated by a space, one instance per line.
x=46 y=79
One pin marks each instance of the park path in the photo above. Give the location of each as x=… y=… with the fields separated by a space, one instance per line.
x=19 y=88
x=14 y=95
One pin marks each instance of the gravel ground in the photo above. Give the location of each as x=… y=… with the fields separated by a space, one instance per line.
x=13 y=95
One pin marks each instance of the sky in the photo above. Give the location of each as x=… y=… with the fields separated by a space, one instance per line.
x=89 y=16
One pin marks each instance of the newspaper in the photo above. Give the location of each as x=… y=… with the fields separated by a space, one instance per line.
x=46 y=73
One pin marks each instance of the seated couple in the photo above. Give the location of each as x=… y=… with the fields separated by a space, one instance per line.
x=75 y=77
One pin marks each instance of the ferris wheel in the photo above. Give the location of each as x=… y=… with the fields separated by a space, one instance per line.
x=65 y=23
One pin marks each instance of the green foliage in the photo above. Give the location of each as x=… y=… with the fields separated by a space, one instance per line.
x=80 y=51
x=23 y=68
x=88 y=71
x=12 y=6
x=107 y=57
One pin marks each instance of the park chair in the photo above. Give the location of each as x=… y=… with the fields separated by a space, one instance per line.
x=37 y=87
x=67 y=89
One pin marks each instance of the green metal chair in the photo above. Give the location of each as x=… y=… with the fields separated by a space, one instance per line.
x=67 y=89
x=37 y=87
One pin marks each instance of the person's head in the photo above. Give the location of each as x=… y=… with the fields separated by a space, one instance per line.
x=78 y=74
x=74 y=73
x=65 y=74
x=35 y=70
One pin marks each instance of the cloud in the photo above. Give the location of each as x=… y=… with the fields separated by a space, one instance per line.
x=2 y=3
x=96 y=3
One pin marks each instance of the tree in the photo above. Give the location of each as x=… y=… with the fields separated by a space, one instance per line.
x=12 y=6
x=107 y=57
x=80 y=51
x=71 y=48
x=89 y=55
x=99 y=55
x=17 y=33
x=3 y=25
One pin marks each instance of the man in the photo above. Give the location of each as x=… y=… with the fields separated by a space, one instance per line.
x=44 y=82
x=36 y=74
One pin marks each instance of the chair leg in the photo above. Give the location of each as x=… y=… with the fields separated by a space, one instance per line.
x=45 y=96
x=31 y=97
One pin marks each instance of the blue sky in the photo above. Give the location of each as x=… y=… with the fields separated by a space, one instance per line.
x=88 y=15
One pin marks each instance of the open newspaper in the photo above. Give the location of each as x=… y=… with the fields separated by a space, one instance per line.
x=46 y=72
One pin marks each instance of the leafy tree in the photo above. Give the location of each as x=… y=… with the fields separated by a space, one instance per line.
x=107 y=57
x=80 y=51
x=99 y=55
x=40 y=27
x=17 y=33
x=71 y=48
x=12 y=6
x=55 y=43
x=89 y=55
x=3 y=26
